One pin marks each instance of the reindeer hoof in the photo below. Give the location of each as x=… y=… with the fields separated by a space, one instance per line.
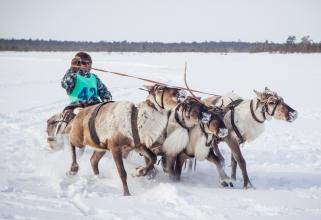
x=248 y=186
x=227 y=182
x=126 y=194
x=224 y=184
x=73 y=170
x=151 y=173
x=174 y=178
x=139 y=171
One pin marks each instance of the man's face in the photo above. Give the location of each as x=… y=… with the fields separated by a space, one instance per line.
x=85 y=65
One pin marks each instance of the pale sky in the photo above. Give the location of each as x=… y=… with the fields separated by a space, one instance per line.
x=160 y=20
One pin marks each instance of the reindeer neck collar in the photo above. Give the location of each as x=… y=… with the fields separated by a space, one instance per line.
x=212 y=140
x=181 y=121
x=253 y=112
x=265 y=109
x=161 y=105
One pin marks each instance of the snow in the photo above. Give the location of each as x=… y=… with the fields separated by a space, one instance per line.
x=284 y=164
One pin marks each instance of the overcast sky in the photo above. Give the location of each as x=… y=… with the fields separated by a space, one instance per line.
x=160 y=20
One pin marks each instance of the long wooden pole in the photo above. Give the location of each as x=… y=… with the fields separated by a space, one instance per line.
x=147 y=80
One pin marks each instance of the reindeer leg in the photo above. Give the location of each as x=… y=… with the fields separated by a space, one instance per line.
x=150 y=160
x=180 y=160
x=118 y=158
x=170 y=163
x=164 y=163
x=233 y=167
x=74 y=165
x=190 y=163
x=94 y=160
x=236 y=151
x=224 y=179
x=218 y=154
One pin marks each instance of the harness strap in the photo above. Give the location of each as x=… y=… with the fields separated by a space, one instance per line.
x=92 y=126
x=237 y=132
x=168 y=115
x=253 y=114
x=67 y=115
x=276 y=105
x=150 y=104
x=231 y=106
x=177 y=119
x=135 y=133
x=208 y=143
x=162 y=98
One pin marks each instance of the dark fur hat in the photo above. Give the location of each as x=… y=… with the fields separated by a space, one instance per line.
x=83 y=56
x=80 y=56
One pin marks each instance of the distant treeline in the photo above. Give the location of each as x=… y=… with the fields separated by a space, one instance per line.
x=290 y=46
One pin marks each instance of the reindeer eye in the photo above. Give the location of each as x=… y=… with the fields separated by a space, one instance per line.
x=271 y=103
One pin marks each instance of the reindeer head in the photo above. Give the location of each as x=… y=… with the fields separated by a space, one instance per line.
x=216 y=124
x=164 y=97
x=274 y=105
x=194 y=111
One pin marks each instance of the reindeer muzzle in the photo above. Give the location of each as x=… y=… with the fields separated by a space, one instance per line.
x=292 y=116
x=181 y=96
x=206 y=117
x=223 y=132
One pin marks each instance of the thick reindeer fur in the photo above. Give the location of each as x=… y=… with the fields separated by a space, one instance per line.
x=178 y=137
x=176 y=142
x=151 y=124
x=197 y=144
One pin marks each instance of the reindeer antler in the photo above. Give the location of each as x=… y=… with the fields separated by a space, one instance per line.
x=187 y=87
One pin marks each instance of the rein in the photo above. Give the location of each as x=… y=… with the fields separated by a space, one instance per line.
x=146 y=80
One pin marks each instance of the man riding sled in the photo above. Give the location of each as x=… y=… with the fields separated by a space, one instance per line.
x=84 y=88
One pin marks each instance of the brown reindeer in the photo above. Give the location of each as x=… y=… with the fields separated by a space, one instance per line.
x=121 y=127
x=175 y=139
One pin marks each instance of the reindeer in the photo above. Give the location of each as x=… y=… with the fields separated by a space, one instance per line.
x=245 y=121
x=203 y=138
x=175 y=139
x=182 y=120
x=121 y=127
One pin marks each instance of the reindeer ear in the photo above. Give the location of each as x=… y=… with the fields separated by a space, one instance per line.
x=149 y=87
x=266 y=88
x=259 y=95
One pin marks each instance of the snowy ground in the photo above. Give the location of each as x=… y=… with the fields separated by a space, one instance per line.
x=284 y=163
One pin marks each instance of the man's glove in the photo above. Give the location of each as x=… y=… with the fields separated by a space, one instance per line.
x=75 y=64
